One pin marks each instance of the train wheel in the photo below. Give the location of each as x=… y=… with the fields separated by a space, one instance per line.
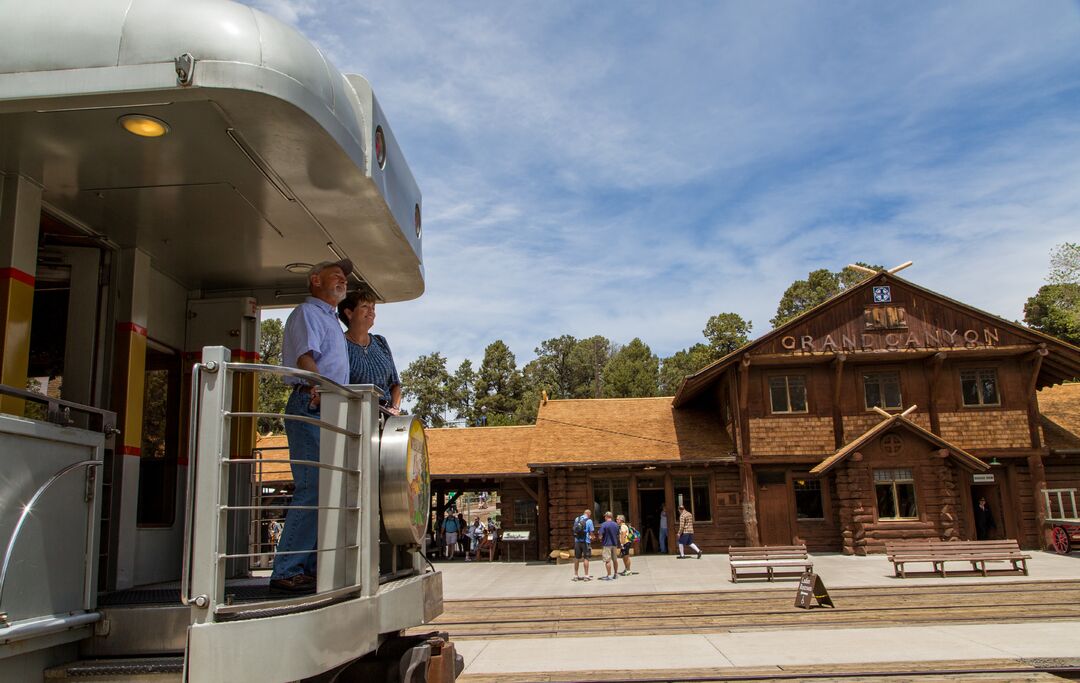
x=1059 y=539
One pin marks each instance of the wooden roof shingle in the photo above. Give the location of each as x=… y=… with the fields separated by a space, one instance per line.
x=1060 y=408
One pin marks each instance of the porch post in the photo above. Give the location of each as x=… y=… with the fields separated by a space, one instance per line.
x=20 y=218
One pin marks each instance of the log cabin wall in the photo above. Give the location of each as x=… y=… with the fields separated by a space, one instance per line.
x=518 y=513
x=938 y=489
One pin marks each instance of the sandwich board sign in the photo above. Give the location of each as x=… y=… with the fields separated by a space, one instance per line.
x=812 y=588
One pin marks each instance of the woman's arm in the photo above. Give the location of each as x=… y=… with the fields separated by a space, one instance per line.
x=395 y=399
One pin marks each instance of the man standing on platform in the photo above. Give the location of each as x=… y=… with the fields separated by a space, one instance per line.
x=313 y=341
x=686 y=533
x=609 y=538
x=663 y=531
x=583 y=531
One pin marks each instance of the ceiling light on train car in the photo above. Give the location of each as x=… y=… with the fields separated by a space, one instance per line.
x=299 y=268
x=416 y=220
x=380 y=147
x=143 y=126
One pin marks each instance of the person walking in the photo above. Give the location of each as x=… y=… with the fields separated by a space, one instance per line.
x=450 y=532
x=583 y=531
x=686 y=533
x=312 y=341
x=663 y=531
x=626 y=542
x=609 y=538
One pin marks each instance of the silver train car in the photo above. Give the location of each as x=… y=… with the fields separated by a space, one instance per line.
x=166 y=169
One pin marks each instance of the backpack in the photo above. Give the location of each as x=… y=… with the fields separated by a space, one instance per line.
x=579 y=526
x=634 y=535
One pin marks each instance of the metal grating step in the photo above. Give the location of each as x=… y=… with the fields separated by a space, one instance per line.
x=126 y=670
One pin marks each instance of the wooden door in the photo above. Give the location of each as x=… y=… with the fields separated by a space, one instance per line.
x=774 y=508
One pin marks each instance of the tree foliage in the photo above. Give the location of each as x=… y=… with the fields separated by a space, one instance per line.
x=273 y=393
x=819 y=286
x=428 y=384
x=498 y=389
x=633 y=372
x=726 y=332
x=1055 y=310
x=591 y=356
x=682 y=363
x=1065 y=264
x=463 y=392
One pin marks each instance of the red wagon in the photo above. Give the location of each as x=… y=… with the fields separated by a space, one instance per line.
x=1064 y=528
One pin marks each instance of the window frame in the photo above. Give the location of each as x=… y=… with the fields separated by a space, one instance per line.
x=160 y=357
x=804 y=375
x=710 y=496
x=826 y=509
x=978 y=369
x=864 y=373
x=598 y=515
x=895 y=497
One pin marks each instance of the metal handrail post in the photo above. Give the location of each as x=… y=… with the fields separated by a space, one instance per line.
x=210 y=497
x=330 y=574
x=369 y=498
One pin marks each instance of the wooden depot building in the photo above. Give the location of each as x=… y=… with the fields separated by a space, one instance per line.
x=885 y=412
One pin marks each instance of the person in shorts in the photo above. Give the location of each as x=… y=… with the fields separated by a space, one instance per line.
x=686 y=533
x=609 y=537
x=583 y=530
x=624 y=545
x=450 y=532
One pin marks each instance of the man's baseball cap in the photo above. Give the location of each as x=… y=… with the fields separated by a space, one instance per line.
x=345 y=265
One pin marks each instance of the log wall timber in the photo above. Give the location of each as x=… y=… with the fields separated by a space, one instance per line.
x=514 y=493
x=820 y=535
x=1038 y=484
x=1030 y=529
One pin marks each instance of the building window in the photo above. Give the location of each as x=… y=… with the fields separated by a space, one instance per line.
x=693 y=492
x=882 y=390
x=809 y=503
x=160 y=438
x=895 y=490
x=524 y=512
x=788 y=393
x=610 y=495
x=979 y=387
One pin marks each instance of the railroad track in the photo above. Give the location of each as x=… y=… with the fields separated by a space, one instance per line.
x=729 y=611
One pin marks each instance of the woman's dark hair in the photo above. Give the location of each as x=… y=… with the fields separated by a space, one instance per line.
x=351 y=301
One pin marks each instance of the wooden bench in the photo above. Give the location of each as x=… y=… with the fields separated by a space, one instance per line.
x=937 y=553
x=791 y=560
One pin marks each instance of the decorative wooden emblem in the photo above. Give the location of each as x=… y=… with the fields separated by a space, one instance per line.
x=892 y=443
x=882 y=294
x=812 y=588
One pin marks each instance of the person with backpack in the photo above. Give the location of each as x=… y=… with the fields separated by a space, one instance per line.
x=628 y=535
x=450 y=532
x=583 y=531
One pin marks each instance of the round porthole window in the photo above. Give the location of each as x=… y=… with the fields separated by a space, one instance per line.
x=416 y=221
x=892 y=444
x=380 y=147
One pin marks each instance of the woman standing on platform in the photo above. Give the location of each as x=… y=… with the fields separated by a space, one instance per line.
x=370 y=360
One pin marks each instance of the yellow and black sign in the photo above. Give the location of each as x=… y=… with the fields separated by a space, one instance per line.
x=812 y=588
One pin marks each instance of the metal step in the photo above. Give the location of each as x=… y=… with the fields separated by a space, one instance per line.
x=137 y=670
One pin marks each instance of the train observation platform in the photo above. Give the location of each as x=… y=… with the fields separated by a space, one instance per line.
x=685 y=620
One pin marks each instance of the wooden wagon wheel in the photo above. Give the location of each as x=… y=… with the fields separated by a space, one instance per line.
x=1059 y=539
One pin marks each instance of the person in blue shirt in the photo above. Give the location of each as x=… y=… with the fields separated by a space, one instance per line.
x=450 y=532
x=583 y=530
x=609 y=538
x=312 y=341
x=370 y=360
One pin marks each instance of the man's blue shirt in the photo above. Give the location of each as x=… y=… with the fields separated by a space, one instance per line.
x=313 y=326
x=609 y=533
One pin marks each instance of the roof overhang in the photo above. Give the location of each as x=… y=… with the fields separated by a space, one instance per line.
x=268 y=159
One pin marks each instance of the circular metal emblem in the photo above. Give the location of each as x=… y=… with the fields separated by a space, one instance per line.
x=892 y=444
x=405 y=482
x=380 y=147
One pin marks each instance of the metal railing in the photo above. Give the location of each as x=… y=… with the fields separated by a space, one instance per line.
x=347 y=506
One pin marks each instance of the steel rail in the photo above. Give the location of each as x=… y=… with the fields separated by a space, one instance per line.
x=26 y=513
x=305 y=463
x=313 y=377
x=224 y=556
x=299 y=418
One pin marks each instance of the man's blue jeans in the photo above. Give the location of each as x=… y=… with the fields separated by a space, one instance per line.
x=301 y=526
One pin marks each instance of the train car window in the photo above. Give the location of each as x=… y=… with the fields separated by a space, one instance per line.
x=160 y=438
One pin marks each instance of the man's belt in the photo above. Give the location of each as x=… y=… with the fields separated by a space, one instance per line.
x=303 y=388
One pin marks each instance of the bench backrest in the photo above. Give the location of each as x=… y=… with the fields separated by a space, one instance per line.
x=768 y=552
x=951 y=547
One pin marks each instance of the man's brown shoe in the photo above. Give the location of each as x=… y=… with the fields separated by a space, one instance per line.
x=300 y=584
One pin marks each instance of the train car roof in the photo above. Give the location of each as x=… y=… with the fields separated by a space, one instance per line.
x=269 y=158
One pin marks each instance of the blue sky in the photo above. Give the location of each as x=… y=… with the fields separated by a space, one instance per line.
x=630 y=169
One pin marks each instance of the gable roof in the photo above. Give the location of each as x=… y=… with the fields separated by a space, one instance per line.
x=1060 y=409
x=887 y=423
x=582 y=432
x=1060 y=366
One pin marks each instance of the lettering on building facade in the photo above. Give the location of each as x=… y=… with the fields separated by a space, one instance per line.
x=893 y=341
